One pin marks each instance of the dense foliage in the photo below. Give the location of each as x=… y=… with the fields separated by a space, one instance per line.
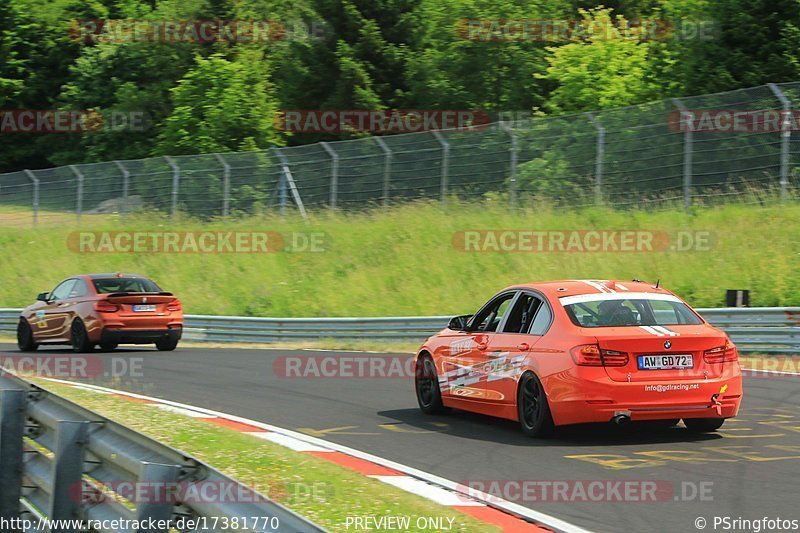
x=211 y=96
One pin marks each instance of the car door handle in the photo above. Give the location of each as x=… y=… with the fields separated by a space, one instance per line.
x=523 y=347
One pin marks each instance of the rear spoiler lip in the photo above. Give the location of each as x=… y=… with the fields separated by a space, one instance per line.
x=162 y=293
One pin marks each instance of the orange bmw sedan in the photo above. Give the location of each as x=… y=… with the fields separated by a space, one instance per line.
x=102 y=309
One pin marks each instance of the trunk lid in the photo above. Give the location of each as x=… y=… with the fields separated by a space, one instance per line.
x=127 y=301
x=659 y=346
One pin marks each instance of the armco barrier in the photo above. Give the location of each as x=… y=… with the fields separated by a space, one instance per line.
x=753 y=329
x=55 y=454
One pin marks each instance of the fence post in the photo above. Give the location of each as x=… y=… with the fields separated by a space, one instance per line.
x=126 y=177
x=445 y=163
x=687 y=119
x=35 y=182
x=512 y=190
x=786 y=134
x=12 y=429
x=598 y=161
x=387 y=168
x=282 y=182
x=226 y=185
x=176 y=180
x=287 y=181
x=334 y=174
x=79 y=199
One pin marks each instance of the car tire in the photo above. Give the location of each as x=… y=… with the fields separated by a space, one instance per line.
x=426 y=384
x=108 y=346
x=533 y=410
x=166 y=345
x=703 y=425
x=25 y=341
x=80 y=337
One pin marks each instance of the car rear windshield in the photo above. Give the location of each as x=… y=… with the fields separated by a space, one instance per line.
x=612 y=310
x=108 y=285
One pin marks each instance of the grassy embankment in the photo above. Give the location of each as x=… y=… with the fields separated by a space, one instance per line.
x=402 y=261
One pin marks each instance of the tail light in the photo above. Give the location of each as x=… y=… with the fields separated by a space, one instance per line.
x=721 y=354
x=174 y=306
x=104 y=306
x=592 y=355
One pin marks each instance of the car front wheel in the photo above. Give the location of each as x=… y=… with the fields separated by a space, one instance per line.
x=532 y=407
x=25 y=340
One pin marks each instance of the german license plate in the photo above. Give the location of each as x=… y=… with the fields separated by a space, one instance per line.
x=144 y=307
x=666 y=362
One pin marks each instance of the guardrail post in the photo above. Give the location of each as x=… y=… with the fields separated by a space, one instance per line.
x=226 y=185
x=445 y=164
x=687 y=119
x=157 y=510
x=786 y=135
x=79 y=199
x=334 y=173
x=67 y=469
x=12 y=429
x=598 y=159
x=35 y=182
x=512 y=186
x=176 y=180
x=126 y=178
x=387 y=169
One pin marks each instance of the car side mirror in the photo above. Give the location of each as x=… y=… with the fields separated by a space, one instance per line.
x=42 y=297
x=459 y=323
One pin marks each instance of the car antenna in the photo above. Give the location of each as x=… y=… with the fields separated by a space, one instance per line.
x=657 y=282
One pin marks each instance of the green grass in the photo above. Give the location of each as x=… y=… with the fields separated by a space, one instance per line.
x=317 y=489
x=401 y=261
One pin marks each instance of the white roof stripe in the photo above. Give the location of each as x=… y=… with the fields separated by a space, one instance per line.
x=583 y=298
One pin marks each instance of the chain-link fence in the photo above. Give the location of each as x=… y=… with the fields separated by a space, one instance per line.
x=694 y=150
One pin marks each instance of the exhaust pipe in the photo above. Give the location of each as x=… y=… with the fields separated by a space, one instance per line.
x=621 y=420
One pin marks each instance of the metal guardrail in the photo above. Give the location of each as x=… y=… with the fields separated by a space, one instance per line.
x=54 y=454
x=752 y=329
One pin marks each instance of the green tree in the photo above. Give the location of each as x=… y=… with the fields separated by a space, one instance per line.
x=221 y=105
x=610 y=67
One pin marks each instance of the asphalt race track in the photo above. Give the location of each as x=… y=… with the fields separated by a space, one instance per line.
x=750 y=468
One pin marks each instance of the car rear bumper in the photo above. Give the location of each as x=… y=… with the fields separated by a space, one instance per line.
x=139 y=336
x=601 y=399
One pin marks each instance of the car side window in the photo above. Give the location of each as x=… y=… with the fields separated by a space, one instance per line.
x=61 y=292
x=541 y=323
x=522 y=314
x=79 y=289
x=489 y=318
